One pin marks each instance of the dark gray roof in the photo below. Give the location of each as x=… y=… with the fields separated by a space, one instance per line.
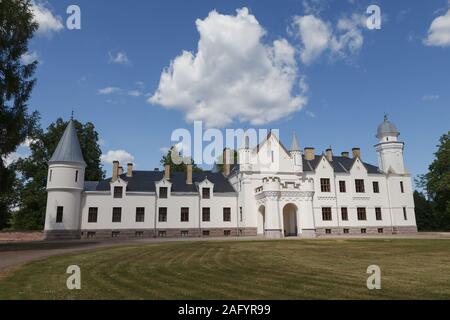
x=387 y=128
x=339 y=164
x=68 y=149
x=144 y=181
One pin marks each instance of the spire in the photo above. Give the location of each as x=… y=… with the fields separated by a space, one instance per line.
x=68 y=149
x=295 y=145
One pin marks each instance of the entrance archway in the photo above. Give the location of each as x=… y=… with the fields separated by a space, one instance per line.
x=290 y=220
x=261 y=220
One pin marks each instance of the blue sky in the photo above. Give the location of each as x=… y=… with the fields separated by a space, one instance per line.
x=108 y=70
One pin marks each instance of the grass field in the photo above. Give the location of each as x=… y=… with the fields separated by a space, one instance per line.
x=297 y=269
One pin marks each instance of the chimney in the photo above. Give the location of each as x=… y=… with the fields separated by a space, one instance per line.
x=226 y=162
x=115 y=170
x=329 y=155
x=167 y=172
x=120 y=170
x=345 y=154
x=356 y=152
x=310 y=154
x=130 y=170
x=189 y=174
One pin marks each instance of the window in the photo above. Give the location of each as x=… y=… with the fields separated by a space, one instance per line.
x=206 y=216
x=93 y=214
x=359 y=184
x=327 y=231
x=184 y=214
x=50 y=176
x=162 y=234
x=405 y=216
x=205 y=233
x=139 y=234
x=162 y=216
x=76 y=176
x=240 y=214
x=344 y=214
x=227 y=214
x=326 y=214
x=325 y=185
x=117 y=215
x=206 y=193
x=376 y=187
x=378 y=214
x=118 y=192
x=90 y=235
x=140 y=214
x=59 y=214
x=184 y=233
x=342 y=187
x=115 y=234
x=380 y=230
x=227 y=233
x=363 y=231
x=163 y=192
x=361 y=213
x=402 y=187
x=346 y=231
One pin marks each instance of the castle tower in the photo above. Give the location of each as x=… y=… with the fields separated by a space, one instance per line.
x=65 y=182
x=244 y=155
x=389 y=149
x=296 y=154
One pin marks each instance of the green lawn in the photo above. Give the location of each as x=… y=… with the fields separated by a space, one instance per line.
x=297 y=269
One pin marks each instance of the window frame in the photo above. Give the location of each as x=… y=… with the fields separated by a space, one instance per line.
x=226 y=214
x=140 y=212
x=206 y=211
x=361 y=213
x=376 y=186
x=327 y=214
x=325 y=185
x=91 y=212
x=378 y=214
x=116 y=193
x=344 y=213
x=165 y=194
x=206 y=193
x=360 y=186
x=184 y=214
x=59 y=214
x=117 y=211
x=342 y=186
x=162 y=212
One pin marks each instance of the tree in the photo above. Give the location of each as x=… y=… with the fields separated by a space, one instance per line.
x=16 y=83
x=425 y=219
x=34 y=170
x=177 y=162
x=218 y=165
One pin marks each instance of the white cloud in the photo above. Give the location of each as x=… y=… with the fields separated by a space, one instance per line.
x=430 y=97
x=119 y=57
x=233 y=75
x=134 y=93
x=29 y=57
x=317 y=36
x=109 y=90
x=117 y=155
x=439 y=32
x=311 y=114
x=48 y=22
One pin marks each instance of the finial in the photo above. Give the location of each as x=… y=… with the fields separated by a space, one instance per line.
x=385 y=117
x=71 y=116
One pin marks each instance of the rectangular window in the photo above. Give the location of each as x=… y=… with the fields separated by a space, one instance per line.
x=378 y=214
x=59 y=214
x=118 y=192
x=162 y=234
x=380 y=230
x=184 y=214
x=163 y=192
x=405 y=216
x=344 y=213
x=402 y=187
x=363 y=231
x=326 y=214
x=93 y=215
x=359 y=184
x=91 y=235
x=346 y=231
x=325 y=185
x=184 y=233
x=227 y=214
x=240 y=214
x=76 y=176
x=50 y=177
x=139 y=234
x=206 y=214
x=117 y=215
x=140 y=214
x=205 y=233
x=162 y=216
x=376 y=187
x=342 y=187
x=206 y=193
x=115 y=234
x=327 y=231
x=361 y=214
x=227 y=233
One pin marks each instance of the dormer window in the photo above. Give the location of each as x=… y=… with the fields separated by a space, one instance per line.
x=118 y=192
x=163 y=192
x=206 y=193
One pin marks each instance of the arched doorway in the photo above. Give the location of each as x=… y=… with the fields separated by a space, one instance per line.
x=261 y=220
x=290 y=220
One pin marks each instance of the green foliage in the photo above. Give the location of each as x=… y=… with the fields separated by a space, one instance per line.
x=177 y=162
x=34 y=170
x=16 y=83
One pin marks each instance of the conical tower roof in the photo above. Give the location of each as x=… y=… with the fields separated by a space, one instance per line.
x=68 y=149
x=295 y=146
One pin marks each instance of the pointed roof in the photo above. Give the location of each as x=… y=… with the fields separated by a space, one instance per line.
x=295 y=146
x=68 y=149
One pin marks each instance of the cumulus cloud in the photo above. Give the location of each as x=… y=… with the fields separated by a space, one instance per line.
x=108 y=90
x=439 y=32
x=318 y=36
x=119 y=57
x=117 y=155
x=233 y=75
x=47 y=21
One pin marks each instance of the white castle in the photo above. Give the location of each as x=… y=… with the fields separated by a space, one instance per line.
x=301 y=194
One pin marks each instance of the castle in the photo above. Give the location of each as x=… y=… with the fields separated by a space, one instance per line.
x=304 y=194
